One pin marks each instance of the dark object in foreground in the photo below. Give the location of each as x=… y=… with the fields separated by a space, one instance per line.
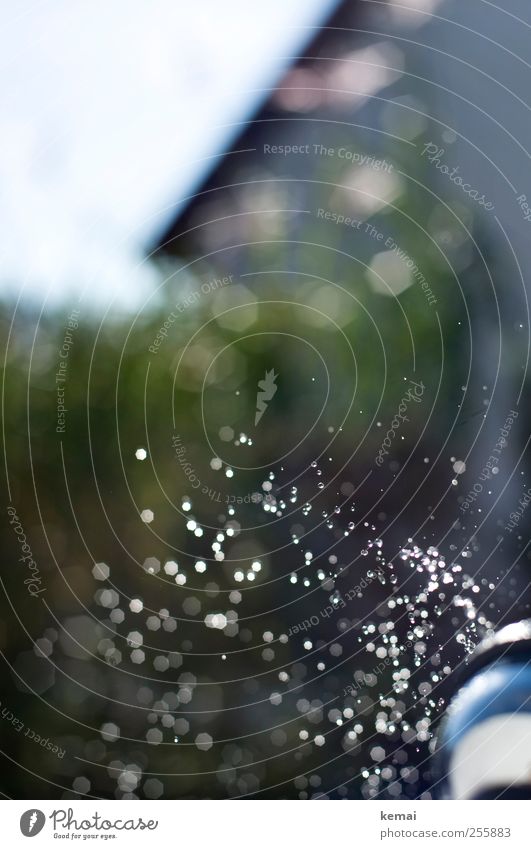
x=484 y=746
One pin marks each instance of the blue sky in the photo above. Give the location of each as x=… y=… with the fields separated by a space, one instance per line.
x=111 y=112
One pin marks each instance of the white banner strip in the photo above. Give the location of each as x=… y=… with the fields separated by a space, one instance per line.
x=267 y=824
